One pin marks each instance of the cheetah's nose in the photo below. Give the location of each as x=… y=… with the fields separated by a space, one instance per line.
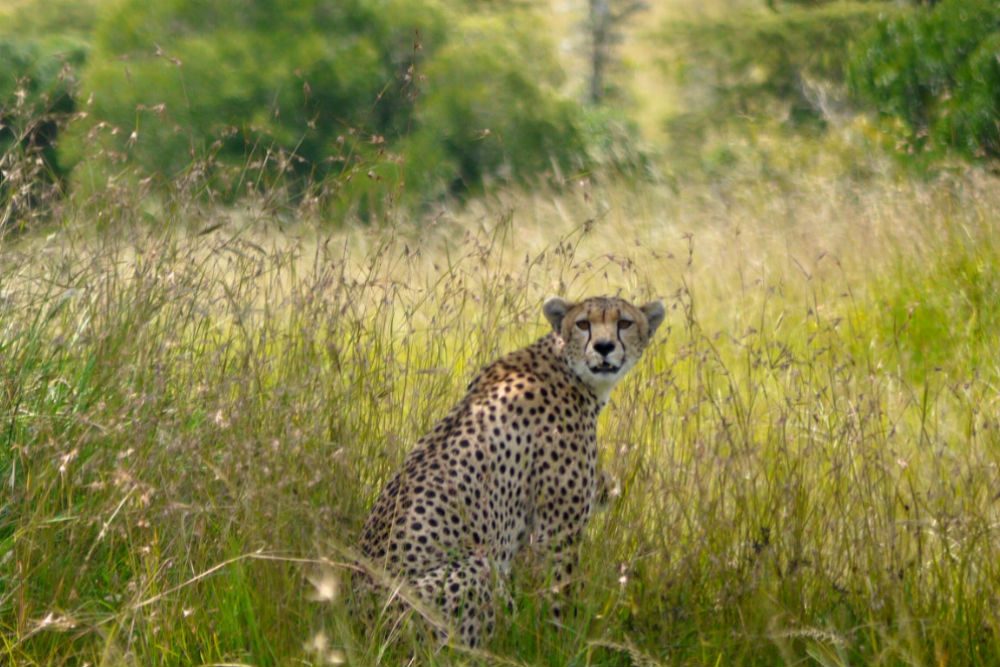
x=604 y=347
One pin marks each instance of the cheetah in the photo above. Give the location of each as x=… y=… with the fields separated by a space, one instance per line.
x=515 y=462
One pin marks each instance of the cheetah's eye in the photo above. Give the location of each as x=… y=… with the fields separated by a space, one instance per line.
x=624 y=324
x=583 y=325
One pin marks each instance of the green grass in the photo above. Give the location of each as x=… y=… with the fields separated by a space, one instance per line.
x=192 y=426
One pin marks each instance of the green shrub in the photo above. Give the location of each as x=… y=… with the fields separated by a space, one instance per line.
x=492 y=105
x=243 y=81
x=935 y=72
x=38 y=75
x=44 y=18
x=763 y=73
x=378 y=100
x=763 y=64
x=36 y=96
x=612 y=143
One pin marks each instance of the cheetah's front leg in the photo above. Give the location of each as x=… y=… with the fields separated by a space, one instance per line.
x=607 y=489
x=561 y=559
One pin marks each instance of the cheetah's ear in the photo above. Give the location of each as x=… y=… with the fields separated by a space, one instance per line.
x=555 y=310
x=654 y=312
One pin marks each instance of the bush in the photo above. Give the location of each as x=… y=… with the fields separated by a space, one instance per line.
x=36 y=97
x=935 y=72
x=748 y=78
x=767 y=64
x=44 y=18
x=241 y=81
x=492 y=105
x=377 y=99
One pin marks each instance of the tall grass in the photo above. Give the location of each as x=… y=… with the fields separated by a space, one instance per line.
x=192 y=424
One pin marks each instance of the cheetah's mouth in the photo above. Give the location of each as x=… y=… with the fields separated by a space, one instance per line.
x=605 y=369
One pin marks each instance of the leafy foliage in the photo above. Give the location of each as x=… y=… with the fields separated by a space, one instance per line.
x=38 y=74
x=373 y=95
x=936 y=72
x=748 y=62
x=784 y=67
x=492 y=105
x=45 y=18
x=291 y=76
x=36 y=96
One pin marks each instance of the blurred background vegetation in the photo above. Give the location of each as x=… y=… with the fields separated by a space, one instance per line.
x=367 y=105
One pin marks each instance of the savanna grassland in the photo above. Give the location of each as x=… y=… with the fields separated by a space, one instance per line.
x=199 y=400
x=807 y=457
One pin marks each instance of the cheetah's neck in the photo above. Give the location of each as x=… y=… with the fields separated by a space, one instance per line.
x=552 y=346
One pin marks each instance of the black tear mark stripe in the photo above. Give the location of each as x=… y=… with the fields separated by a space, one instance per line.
x=618 y=332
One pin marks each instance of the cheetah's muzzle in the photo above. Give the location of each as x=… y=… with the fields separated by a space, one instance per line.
x=606 y=369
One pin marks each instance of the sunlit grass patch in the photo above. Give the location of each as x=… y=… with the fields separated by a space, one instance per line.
x=193 y=426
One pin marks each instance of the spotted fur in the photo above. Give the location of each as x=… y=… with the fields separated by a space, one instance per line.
x=514 y=462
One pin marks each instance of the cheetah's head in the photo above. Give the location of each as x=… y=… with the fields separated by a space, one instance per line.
x=602 y=337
